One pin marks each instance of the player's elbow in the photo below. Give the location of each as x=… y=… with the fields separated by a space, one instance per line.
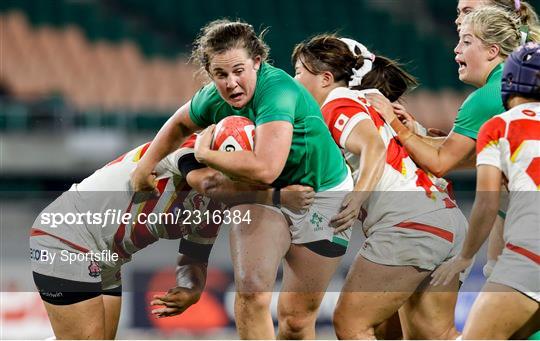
x=198 y=183
x=204 y=180
x=438 y=172
x=439 y=165
x=266 y=175
x=210 y=183
x=438 y=169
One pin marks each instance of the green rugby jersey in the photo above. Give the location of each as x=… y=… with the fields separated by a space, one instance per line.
x=481 y=105
x=314 y=158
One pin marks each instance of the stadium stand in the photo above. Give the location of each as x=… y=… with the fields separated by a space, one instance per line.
x=124 y=61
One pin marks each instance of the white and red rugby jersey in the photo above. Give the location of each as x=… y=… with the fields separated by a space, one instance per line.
x=511 y=142
x=109 y=189
x=404 y=190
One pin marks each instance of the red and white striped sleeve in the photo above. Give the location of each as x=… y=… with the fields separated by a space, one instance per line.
x=488 y=149
x=341 y=115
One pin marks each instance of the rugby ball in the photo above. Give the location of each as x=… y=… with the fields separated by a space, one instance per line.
x=234 y=133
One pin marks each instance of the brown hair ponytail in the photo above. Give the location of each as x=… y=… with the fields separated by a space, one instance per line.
x=389 y=78
x=327 y=52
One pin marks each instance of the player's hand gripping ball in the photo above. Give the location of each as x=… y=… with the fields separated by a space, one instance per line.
x=234 y=133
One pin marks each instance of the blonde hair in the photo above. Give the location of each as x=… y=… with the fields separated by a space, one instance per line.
x=525 y=13
x=495 y=26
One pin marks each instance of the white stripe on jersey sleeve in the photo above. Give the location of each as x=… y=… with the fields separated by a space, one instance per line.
x=349 y=126
x=170 y=162
x=490 y=155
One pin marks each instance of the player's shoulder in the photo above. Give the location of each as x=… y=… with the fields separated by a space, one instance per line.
x=524 y=111
x=487 y=97
x=273 y=78
x=205 y=105
x=346 y=96
x=270 y=72
x=491 y=132
x=496 y=124
x=343 y=109
x=275 y=87
x=344 y=101
x=206 y=96
x=484 y=99
x=207 y=90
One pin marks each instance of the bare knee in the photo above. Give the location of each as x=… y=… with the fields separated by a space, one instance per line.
x=349 y=327
x=297 y=323
x=253 y=301
x=430 y=327
x=390 y=329
x=296 y=327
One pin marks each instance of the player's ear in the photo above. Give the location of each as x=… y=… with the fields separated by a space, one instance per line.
x=493 y=51
x=327 y=78
x=257 y=63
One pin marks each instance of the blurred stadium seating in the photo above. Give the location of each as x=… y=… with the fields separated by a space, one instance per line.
x=123 y=63
x=112 y=71
x=44 y=61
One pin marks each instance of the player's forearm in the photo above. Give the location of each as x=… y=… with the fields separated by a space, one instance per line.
x=433 y=141
x=372 y=161
x=167 y=140
x=191 y=273
x=482 y=218
x=424 y=154
x=242 y=165
x=219 y=187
